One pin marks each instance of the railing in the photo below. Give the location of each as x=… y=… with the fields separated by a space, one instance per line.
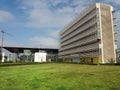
x=79 y=17
x=81 y=49
x=78 y=29
x=80 y=42
x=89 y=53
x=83 y=28
x=78 y=37
x=80 y=23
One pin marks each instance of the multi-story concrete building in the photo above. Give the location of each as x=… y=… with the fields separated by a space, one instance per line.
x=90 y=36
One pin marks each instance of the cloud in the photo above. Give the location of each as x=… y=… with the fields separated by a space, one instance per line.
x=50 y=16
x=46 y=19
x=50 y=13
x=117 y=15
x=9 y=43
x=54 y=34
x=5 y=16
x=44 y=42
x=117 y=2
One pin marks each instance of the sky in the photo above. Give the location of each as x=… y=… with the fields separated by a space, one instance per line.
x=37 y=23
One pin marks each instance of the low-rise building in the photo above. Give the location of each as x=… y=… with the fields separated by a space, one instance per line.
x=27 y=54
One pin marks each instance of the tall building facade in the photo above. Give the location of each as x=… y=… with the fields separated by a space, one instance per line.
x=90 y=36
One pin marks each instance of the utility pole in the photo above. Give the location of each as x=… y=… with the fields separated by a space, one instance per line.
x=2 y=38
x=2 y=44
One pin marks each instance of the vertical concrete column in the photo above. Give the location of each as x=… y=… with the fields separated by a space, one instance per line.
x=3 y=58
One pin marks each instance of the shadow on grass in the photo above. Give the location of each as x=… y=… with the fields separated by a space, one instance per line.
x=97 y=86
x=16 y=64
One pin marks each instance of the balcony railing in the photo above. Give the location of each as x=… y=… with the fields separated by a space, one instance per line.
x=84 y=12
x=80 y=23
x=78 y=37
x=89 y=47
x=77 y=31
x=80 y=43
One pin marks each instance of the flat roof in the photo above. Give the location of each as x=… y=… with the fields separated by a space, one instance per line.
x=21 y=49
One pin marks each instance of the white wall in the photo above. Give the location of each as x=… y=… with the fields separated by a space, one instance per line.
x=40 y=57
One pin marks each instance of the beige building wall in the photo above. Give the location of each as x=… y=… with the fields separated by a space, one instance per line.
x=107 y=33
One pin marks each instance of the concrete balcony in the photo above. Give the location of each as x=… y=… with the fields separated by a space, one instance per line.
x=78 y=24
x=115 y=40
x=80 y=43
x=94 y=53
x=86 y=48
x=114 y=18
x=89 y=54
x=78 y=18
x=78 y=37
x=115 y=25
x=79 y=31
x=113 y=11
x=115 y=32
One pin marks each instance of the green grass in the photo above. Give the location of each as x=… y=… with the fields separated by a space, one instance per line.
x=54 y=76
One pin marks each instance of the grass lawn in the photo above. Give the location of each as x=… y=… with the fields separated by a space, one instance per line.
x=56 y=76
